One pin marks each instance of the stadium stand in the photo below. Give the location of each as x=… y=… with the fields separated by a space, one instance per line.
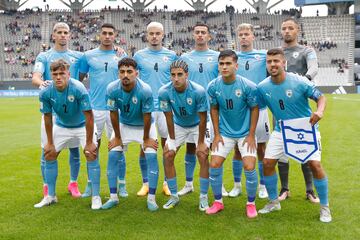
x=25 y=34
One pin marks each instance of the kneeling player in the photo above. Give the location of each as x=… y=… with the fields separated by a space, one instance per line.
x=134 y=99
x=234 y=114
x=74 y=126
x=186 y=101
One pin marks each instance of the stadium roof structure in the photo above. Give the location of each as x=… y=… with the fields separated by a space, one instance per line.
x=262 y=6
x=76 y=5
x=138 y=5
x=199 y=5
x=11 y=4
x=335 y=7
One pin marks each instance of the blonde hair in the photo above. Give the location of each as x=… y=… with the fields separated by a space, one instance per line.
x=61 y=25
x=156 y=25
x=246 y=26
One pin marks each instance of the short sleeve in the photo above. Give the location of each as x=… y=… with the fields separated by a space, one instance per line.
x=110 y=99
x=201 y=103
x=212 y=93
x=84 y=66
x=164 y=101
x=39 y=66
x=147 y=101
x=45 y=102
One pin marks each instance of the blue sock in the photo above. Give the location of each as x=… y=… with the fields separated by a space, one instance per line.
x=172 y=184
x=261 y=172
x=113 y=169
x=42 y=165
x=143 y=168
x=153 y=171
x=190 y=163
x=51 y=172
x=271 y=186
x=251 y=184
x=237 y=166
x=122 y=166
x=322 y=189
x=94 y=176
x=204 y=185
x=74 y=162
x=216 y=181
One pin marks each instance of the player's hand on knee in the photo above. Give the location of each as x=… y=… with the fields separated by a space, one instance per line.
x=251 y=143
x=150 y=143
x=315 y=117
x=50 y=152
x=217 y=139
x=90 y=151
x=202 y=150
x=114 y=143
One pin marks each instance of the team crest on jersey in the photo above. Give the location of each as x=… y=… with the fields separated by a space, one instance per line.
x=295 y=54
x=257 y=57
x=134 y=100
x=110 y=103
x=238 y=92
x=163 y=104
x=71 y=98
x=189 y=101
x=116 y=59
x=72 y=60
x=210 y=59
x=165 y=59
x=289 y=93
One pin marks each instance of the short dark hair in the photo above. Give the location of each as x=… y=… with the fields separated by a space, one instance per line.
x=228 y=53
x=59 y=64
x=275 y=51
x=290 y=19
x=127 y=62
x=202 y=25
x=180 y=64
x=108 y=25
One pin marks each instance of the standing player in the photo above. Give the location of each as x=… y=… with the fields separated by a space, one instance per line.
x=154 y=69
x=101 y=66
x=286 y=95
x=42 y=77
x=74 y=126
x=252 y=65
x=185 y=106
x=301 y=60
x=234 y=114
x=203 y=67
x=134 y=99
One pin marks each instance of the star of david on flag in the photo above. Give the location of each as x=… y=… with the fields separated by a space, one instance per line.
x=299 y=139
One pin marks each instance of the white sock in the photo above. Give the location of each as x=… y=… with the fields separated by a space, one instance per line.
x=189 y=183
x=237 y=184
x=114 y=196
x=203 y=195
x=220 y=200
x=151 y=197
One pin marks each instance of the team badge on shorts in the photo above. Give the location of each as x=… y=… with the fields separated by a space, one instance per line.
x=210 y=59
x=289 y=93
x=134 y=100
x=71 y=98
x=295 y=54
x=238 y=92
x=189 y=101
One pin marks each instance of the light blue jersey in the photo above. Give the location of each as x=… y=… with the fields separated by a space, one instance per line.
x=45 y=59
x=252 y=65
x=154 y=68
x=102 y=67
x=68 y=104
x=133 y=104
x=234 y=101
x=289 y=99
x=184 y=105
x=203 y=66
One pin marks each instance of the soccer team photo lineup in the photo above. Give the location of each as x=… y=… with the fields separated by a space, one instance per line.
x=193 y=101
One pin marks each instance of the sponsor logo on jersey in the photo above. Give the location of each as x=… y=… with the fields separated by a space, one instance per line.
x=238 y=92
x=295 y=54
x=71 y=98
x=134 y=99
x=289 y=93
x=189 y=101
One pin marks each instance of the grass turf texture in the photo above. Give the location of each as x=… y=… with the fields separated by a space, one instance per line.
x=21 y=188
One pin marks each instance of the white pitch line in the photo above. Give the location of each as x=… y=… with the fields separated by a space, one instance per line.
x=347 y=99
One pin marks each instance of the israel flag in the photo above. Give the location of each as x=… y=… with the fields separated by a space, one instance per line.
x=299 y=138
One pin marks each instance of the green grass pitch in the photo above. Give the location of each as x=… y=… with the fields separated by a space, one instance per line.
x=20 y=188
